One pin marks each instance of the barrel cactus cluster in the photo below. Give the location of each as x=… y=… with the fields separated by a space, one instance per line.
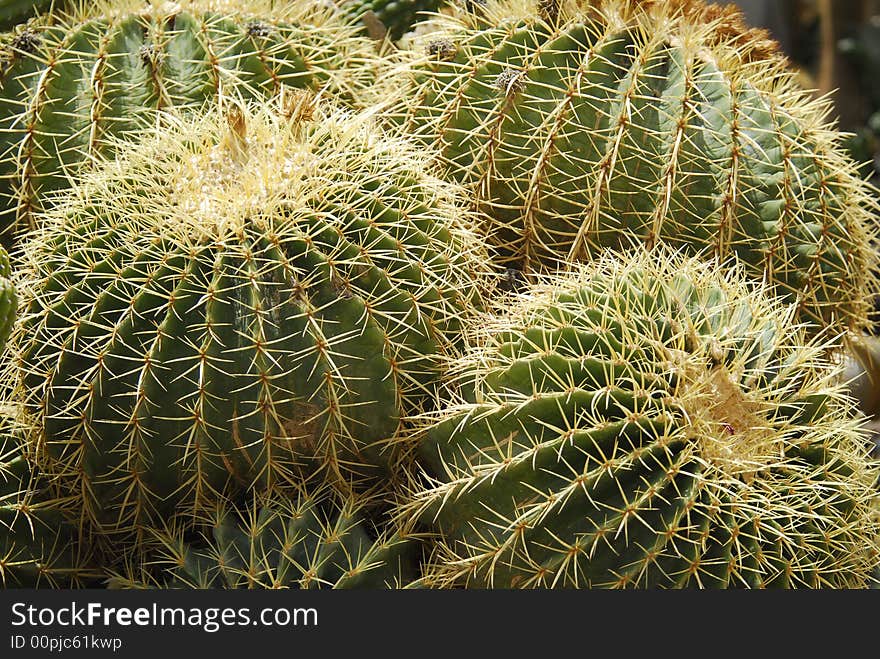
x=412 y=294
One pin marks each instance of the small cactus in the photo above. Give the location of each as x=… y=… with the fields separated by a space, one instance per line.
x=244 y=296
x=70 y=85
x=581 y=127
x=646 y=422
x=316 y=540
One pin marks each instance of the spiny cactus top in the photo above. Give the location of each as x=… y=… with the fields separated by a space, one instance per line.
x=624 y=122
x=69 y=84
x=314 y=540
x=38 y=546
x=648 y=422
x=240 y=294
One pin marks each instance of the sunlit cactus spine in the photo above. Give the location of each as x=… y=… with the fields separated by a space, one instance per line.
x=582 y=126
x=648 y=422
x=39 y=547
x=8 y=298
x=245 y=296
x=308 y=540
x=70 y=84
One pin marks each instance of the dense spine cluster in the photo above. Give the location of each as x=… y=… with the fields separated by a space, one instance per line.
x=646 y=422
x=617 y=123
x=526 y=294
x=245 y=297
x=70 y=85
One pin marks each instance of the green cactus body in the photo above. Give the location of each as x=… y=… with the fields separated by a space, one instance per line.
x=8 y=298
x=38 y=546
x=240 y=297
x=314 y=541
x=68 y=87
x=643 y=123
x=647 y=423
x=396 y=16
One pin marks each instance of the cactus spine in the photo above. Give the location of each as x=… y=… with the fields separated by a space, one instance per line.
x=316 y=540
x=647 y=422
x=618 y=123
x=70 y=85
x=244 y=296
x=8 y=298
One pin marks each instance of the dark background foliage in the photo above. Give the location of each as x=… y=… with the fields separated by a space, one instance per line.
x=835 y=45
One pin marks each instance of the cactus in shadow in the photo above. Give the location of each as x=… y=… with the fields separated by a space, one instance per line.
x=39 y=547
x=309 y=540
x=647 y=422
x=13 y=12
x=72 y=83
x=394 y=18
x=618 y=122
x=247 y=295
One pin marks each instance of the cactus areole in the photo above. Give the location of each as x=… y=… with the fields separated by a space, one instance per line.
x=648 y=422
x=617 y=123
x=242 y=296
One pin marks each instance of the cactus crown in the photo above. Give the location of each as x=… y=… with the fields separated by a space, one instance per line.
x=619 y=123
x=647 y=422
